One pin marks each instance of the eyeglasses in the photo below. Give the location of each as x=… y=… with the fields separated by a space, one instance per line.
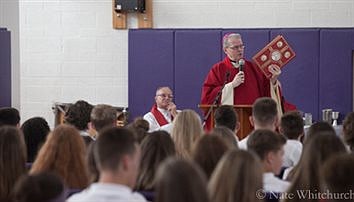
x=237 y=47
x=165 y=96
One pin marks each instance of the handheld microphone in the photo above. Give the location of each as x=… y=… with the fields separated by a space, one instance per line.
x=241 y=62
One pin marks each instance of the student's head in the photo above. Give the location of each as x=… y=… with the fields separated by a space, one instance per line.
x=264 y=114
x=103 y=115
x=227 y=134
x=233 y=46
x=118 y=154
x=208 y=151
x=269 y=146
x=78 y=114
x=139 y=127
x=237 y=177
x=41 y=187
x=348 y=130
x=179 y=180
x=63 y=153
x=12 y=160
x=186 y=131
x=163 y=97
x=292 y=125
x=338 y=174
x=9 y=116
x=225 y=115
x=35 y=131
x=155 y=148
x=318 y=128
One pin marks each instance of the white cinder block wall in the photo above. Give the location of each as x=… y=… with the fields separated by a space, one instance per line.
x=70 y=51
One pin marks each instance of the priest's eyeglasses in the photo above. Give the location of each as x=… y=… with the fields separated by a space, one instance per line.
x=165 y=96
x=237 y=47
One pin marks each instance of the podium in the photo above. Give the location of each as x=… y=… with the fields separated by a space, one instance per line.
x=243 y=113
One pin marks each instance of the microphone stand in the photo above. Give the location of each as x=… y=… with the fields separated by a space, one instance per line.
x=216 y=100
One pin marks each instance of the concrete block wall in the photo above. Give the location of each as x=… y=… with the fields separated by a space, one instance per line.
x=69 y=51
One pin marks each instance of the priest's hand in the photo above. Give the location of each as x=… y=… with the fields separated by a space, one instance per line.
x=172 y=109
x=275 y=71
x=239 y=79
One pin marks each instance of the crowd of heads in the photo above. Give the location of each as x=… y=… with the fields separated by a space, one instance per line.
x=188 y=164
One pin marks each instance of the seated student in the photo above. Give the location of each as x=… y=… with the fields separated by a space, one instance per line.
x=102 y=116
x=163 y=111
x=269 y=146
x=117 y=155
x=264 y=116
x=12 y=160
x=155 y=148
x=339 y=176
x=225 y=115
x=208 y=151
x=35 y=131
x=78 y=115
x=292 y=127
x=41 y=187
x=226 y=134
x=179 y=180
x=9 y=116
x=237 y=177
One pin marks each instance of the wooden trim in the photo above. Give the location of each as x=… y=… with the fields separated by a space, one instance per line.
x=145 y=19
x=119 y=20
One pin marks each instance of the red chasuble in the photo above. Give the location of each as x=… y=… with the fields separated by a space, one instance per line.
x=256 y=84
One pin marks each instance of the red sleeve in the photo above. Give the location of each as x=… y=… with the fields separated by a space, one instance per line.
x=212 y=85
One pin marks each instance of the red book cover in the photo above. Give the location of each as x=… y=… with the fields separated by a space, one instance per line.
x=278 y=52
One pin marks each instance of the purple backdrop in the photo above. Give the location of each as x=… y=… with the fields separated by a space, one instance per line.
x=5 y=68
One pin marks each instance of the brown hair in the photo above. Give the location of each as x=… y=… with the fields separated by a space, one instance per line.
x=237 y=177
x=186 y=131
x=103 y=115
x=292 y=125
x=306 y=174
x=64 y=154
x=155 y=148
x=225 y=115
x=264 y=141
x=12 y=160
x=110 y=147
x=264 y=111
x=338 y=173
x=180 y=180
x=225 y=133
x=208 y=151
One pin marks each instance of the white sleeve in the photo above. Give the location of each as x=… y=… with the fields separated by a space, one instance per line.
x=153 y=124
x=227 y=95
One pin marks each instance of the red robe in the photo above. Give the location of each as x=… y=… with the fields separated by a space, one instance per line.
x=256 y=85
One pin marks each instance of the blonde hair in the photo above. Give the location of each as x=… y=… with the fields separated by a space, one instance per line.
x=186 y=131
x=63 y=153
x=237 y=177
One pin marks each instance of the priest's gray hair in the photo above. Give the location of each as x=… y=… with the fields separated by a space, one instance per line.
x=225 y=41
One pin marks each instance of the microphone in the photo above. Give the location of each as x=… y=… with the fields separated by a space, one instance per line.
x=241 y=62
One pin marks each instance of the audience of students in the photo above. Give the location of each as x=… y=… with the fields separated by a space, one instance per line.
x=9 y=116
x=226 y=134
x=102 y=116
x=225 y=115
